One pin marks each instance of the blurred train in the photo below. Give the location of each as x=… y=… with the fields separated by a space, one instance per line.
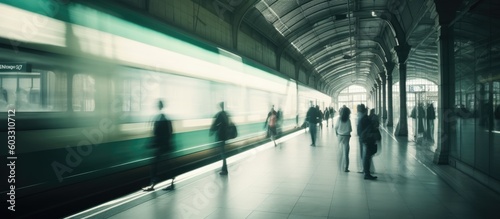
x=85 y=95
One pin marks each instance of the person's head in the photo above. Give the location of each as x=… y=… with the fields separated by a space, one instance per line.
x=160 y=104
x=361 y=108
x=372 y=112
x=344 y=115
x=221 y=105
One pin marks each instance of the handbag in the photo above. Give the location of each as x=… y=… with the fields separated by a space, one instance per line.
x=232 y=132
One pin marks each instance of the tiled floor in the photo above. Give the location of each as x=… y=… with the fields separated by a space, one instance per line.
x=295 y=180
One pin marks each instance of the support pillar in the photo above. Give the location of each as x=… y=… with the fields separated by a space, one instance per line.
x=403 y=52
x=446 y=85
x=379 y=98
x=372 y=100
x=390 y=118
x=384 y=97
x=375 y=101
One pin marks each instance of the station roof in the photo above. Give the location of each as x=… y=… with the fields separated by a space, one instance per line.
x=346 y=42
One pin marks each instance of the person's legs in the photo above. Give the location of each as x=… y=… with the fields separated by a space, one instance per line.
x=223 y=155
x=361 y=154
x=367 y=160
x=274 y=132
x=312 y=130
x=154 y=169
x=346 y=152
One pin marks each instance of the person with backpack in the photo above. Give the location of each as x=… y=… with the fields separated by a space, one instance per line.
x=219 y=127
x=368 y=126
x=161 y=144
x=271 y=125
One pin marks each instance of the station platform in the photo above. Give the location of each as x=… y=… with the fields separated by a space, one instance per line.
x=296 y=180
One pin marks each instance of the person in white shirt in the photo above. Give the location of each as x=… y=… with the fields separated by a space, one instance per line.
x=343 y=131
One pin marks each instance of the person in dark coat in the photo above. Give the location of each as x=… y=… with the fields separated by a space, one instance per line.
x=420 y=118
x=369 y=144
x=219 y=128
x=431 y=115
x=332 y=114
x=361 y=111
x=327 y=115
x=313 y=117
x=161 y=143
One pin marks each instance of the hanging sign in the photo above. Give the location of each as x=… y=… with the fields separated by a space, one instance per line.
x=416 y=88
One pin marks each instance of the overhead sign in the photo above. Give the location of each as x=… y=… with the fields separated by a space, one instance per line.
x=416 y=88
x=14 y=67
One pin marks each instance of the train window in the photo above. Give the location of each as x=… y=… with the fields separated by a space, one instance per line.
x=187 y=97
x=150 y=93
x=139 y=95
x=140 y=92
x=35 y=91
x=131 y=95
x=260 y=104
x=83 y=93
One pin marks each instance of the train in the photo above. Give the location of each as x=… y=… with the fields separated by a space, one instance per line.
x=79 y=86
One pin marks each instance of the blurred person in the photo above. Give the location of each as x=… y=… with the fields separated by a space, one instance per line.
x=327 y=116
x=332 y=114
x=279 y=124
x=365 y=127
x=360 y=112
x=271 y=125
x=161 y=143
x=421 y=116
x=219 y=128
x=343 y=129
x=320 y=117
x=312 y=118
x=431 y=115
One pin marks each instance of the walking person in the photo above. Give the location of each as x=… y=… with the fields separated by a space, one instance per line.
x=332 y=114
x=219 y=128
x=161 y=143
x=343 y=129
x=326 y=113
x=271 y=125
x=320 y=117
x=312 y=117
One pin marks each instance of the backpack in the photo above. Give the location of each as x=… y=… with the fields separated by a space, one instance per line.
x=372 y=132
